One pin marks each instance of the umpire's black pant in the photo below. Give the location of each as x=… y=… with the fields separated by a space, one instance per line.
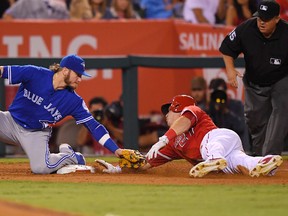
x=266 y=114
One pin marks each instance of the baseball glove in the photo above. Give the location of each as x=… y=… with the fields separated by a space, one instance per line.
x=131 y=159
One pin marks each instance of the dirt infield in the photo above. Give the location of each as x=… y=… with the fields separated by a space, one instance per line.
x=175 y=173
x=8 y=208
x=171 y=173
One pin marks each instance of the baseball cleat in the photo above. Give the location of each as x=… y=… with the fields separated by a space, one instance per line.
x=80 y=158
x=67 y=149
x=205 y=167
x=267 y=166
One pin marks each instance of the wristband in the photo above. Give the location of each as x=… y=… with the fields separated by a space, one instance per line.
x=111 y=145
x=164 y=139
x=170 y=134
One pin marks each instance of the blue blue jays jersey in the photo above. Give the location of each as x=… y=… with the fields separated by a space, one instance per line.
x=37 y=104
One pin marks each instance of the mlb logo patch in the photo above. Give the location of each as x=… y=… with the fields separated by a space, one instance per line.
x=275 y=61
x=263 y=7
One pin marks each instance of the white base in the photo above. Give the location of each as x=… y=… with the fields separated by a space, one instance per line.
x=75 y=168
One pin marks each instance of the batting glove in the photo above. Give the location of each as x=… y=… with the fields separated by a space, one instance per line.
x=107 y=167
x=152 y=153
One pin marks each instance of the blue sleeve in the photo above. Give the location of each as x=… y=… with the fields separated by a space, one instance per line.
x=19 y=74
x=78 y=109
x=81 y=112
x=100 y=134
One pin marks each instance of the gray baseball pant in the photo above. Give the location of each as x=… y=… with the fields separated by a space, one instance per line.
x=266 y=116
x=35 y=145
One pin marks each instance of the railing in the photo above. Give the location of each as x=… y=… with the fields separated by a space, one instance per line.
x=129 y=66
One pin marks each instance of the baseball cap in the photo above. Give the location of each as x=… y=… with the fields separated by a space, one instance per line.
x=267 y=9
x=179 y=102
x=75 y=63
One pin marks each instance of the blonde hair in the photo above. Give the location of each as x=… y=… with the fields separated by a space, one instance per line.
x=55 y=67
x=80 y=9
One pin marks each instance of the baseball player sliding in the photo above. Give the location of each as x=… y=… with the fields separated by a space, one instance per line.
x=46 y=96
x=193 y=136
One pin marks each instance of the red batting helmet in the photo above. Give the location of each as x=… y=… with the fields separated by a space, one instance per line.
x=179 y=102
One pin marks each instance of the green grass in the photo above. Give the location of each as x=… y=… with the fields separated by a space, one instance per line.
x=25 y=159
x=125 y=200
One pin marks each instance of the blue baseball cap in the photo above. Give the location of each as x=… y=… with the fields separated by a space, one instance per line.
x=75 y=63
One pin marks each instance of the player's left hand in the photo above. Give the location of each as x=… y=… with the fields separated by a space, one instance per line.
x=152 y=153
x=130 y=158
x=118 y=152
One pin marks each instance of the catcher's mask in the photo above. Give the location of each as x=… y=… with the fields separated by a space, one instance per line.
x=179 y=102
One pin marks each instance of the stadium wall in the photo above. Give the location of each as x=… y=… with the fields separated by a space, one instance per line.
x=50 y=39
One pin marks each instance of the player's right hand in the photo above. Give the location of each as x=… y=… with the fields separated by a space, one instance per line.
x=106 y=167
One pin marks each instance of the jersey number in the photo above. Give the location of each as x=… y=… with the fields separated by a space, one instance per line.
x=232 y=35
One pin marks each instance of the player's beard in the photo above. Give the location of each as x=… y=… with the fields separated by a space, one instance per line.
x=68 y=82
